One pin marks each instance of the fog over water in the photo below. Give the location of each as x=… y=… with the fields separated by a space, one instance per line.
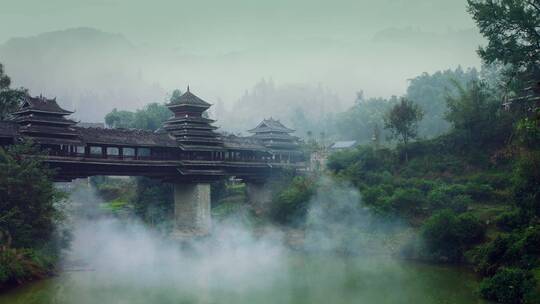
x=115 y=260
x=97 y=55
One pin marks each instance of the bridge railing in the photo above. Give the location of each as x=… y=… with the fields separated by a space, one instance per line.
x=149 y=154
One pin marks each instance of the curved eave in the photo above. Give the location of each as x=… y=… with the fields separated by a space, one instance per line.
x=66 y=112
x=189 y=119
x=175 y=127
x=268 y=130
x=173 y=106
x=52 y=122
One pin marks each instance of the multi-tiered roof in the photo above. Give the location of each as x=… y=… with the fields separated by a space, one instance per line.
x=192 y=131
x=45 y=121
x=275 y=136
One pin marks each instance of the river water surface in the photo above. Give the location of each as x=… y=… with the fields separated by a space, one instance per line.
x=308 y=279
x=114 y=261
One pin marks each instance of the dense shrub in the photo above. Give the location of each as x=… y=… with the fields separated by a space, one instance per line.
x=30 y=241
x=526 y=181
x=154 y=202
x=406 y=201
x=18 y=266
x=363 y=159
x=508 y=285
x=290 y=205
x=517 y=249
x=479 y=191
x=447 y=235
x=27 y=198
x=510 y=220
x=452 y=197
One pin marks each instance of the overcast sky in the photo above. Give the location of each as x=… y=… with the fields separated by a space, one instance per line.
x=346 y=45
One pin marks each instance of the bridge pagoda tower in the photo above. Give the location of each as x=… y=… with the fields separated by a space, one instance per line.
x=44 y=121
x=200 y=145
x=278 y=140
x=193 y=132
x=283 y=148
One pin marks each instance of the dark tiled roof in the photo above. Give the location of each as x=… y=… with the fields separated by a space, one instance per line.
x=271 y=125
x=50 y=131
x=242 y=143
x=279 y=136
x=42 y=104
x=343 y=144
x=43 y=119
x=126 y=137
x=189 y=99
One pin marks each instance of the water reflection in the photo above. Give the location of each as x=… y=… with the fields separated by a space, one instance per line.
x=309 y=279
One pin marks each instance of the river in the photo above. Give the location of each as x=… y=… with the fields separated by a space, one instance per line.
x=306 y=279
x=114 y=261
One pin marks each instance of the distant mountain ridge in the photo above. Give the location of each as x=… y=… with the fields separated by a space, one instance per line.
x=89 y=70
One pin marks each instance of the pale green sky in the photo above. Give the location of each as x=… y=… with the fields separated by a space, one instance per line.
x=205 y=23
x=225 y=47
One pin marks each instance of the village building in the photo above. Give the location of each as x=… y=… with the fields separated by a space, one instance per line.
x=343 y=145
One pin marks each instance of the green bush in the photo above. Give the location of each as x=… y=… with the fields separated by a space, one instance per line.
x=372 y=196
x=406 y=201
x=290 y=205
x=28 y=198
x=153 y=201
x=510 y=220
x=18 y=266
x=447 y=235
x=479 y=191
x=517 y=249
x=508 y=285
x=526 y=188
x=452 y=197
x=461 y=203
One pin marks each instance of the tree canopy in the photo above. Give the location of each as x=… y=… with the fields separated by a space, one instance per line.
x=511 y=27
x=10 y=99
x=402 y=120
x=150 y=117
x=27 y=197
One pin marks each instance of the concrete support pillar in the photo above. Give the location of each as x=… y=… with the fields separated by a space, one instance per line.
x=259 y=195
x=192 y=209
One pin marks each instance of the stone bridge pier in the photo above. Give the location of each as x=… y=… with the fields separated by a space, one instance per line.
x=191 y=209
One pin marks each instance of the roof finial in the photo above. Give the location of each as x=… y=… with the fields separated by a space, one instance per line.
x=188 y=87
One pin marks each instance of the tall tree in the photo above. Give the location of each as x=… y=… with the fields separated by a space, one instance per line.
x=512 y=28
x=151 y=117
x=429 y=91
x=120 y=119
x=476 y=115
x=175 y=95
x=402 y=120
x=10 y=99
x=28 y=210
x=359 y=121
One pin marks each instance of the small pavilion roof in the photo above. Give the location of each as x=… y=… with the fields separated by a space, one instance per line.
x=242 y=143
x=189 y=99
x=271 y=125
x=41 y=104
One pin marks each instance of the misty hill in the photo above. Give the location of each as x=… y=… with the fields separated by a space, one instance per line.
x=90 y=71
x=300 y=106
